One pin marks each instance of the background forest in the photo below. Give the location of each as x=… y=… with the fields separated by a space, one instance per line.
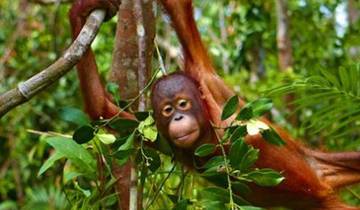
x=303 y=54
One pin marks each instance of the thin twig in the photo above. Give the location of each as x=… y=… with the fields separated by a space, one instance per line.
x=50 y=2
x=49 y=133
x=356 y=195
x=133 y=100
x=161 y=61
x=232 y=206
x=160 y=187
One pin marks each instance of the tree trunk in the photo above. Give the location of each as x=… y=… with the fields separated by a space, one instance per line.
x=285 y=52
x=257 y=54
x=125 y=72
x=353 y=12
x=283 y=38
x=353 y=18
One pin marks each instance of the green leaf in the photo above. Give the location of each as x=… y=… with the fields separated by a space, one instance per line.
x=8 y=205
x=124 y=125
x=344 y=78
x=237 y=151
x=330 y=77
x=173 y=198
x=70 y=175
x=272 y=137
x=163 y=146
x=123 y=156
x=147 y=122
x=212 y=205
x=239 y=132
x=230 y=107
x=123 y=104
x=220 y=194
x=148 y=129
x=255 y=109
x=76 y=153
x=113 y=89
x=215 y=194
x=249 y=159
x=129 y=143
x=261 y=106
x=211 y=172
x=355 y=74
x=87 y=193
x=182 y=205
x=109 y=200
x=265 y=177
x=214 y=162
x=205 y=150
x=246 y=113
x=84 y=134
x=141 y=116
x=250 y=208
x=152 y=159
x=106 y=138
x=74 y=115
x=240 y=188
x=50 y=162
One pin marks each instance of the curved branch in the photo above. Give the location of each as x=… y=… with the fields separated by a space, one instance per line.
x=26 y=90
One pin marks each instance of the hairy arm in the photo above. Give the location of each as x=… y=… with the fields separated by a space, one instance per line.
x=197 y=61
x=97 y=102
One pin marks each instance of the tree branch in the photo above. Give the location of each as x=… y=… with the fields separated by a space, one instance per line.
x=26 y=90
x=142 y=49
x=50 y=2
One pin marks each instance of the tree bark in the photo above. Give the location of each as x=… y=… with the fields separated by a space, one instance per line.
x=124 y=69
x=283 y=37
x=353 y=18
x=131 y=70
x=353 y=12
x=285 y=52
x=256 y=57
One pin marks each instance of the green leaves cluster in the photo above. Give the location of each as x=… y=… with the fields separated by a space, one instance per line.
x=90 y=141
x=235 y=168
x=330 y=101
x=245 y=117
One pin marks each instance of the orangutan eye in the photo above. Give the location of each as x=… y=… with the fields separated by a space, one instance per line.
x=184 y=104
x=167 y=110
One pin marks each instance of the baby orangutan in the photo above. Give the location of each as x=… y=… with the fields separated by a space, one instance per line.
x=187 y=104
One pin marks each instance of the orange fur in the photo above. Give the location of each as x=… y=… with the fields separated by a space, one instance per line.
x=311 y=177
x=98 y=104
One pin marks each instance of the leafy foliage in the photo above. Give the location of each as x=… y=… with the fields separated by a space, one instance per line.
x=238 y=164
x=332 y=98
x=230 y=107
x=90 y=141
x=41 y=198
x=232 y=31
